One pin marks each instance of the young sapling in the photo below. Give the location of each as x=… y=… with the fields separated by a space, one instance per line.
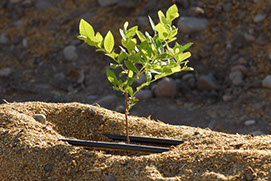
x=140 y=54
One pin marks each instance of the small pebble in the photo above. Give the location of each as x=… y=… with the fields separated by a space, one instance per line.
x=257 y=133
x=227 y=98
x=70 y=53
x=3 y=38
x=249 y=122
x=41 y=118
x=91 y=110
x=192 y=24
x=107 y=100
x=165 y=88
x=236 y=78
x=144 y=94
x=267 y=82
x=110 y=177
x=5 y=72
x=259 y=17
x=241 y=68
x=120 y=109
x=206 y=82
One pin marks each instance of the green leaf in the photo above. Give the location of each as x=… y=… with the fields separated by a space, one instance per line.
x=152 y=25
x=122 y=56
x=86 y=29
x=185 y=47
x=130 y=91
x=99 y=37
x=126 y=25
x=131 y=32
x=130 y=80
x=82 y=37
x=131 y=45
x=109 y=42
x=130 y=74
x=162 y=17
x=183 y=56
x=140 y=35
x=112 y=77
x=148 y=76
x=112 y=55
x=162 y=31
x=114 y=66
x=172 y=13
x=123 y=35
x=136 y=59
x=131 y=66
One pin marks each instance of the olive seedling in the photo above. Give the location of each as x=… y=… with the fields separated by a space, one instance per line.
x=140 y=54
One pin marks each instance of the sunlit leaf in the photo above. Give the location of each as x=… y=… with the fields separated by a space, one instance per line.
x=86 y=29
x=131 y=66
x=109 y=42
x=152 y=24
x=148 y=76
x=111 y=77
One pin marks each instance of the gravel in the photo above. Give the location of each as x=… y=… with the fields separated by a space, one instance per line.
x=266 y=82
x=192 y=24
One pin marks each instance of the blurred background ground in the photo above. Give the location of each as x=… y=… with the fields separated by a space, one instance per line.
x=230 y=90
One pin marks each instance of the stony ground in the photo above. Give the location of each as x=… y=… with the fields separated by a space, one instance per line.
x=30 y=149
x=229 y=91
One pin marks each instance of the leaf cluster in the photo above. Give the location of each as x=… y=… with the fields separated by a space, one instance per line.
x=141 y=53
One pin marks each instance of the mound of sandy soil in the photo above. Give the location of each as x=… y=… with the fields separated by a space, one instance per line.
x=31 y=150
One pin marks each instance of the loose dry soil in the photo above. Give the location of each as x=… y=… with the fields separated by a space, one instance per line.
x=30 y=150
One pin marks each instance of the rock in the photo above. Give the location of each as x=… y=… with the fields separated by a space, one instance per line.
x=107 y=100
x=190 y=79
x=165 y=88
x=142 y=21
x=249 y=37
x=227 y=7
x=19 y=23
x=257 y=133
x=120 y=109
x=267 y=82
x=241 y=68
x=110 y=177
x=195 y=11
x=3 y=38
x=227 y=98
x=42 y=5
x=206 y=82
x=192 y=24
x=128 y=3
x=5 y=72
x=249 y=122
x=141 y=79
x=105 y=3
x=41 y=118
x=259 y=17
x=144 y=94
x=70 y=53
x=236 y=78
x=25 y=43
x=91 y=110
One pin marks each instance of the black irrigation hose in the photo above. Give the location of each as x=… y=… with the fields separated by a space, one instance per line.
x=117 y=146
x=143 y=139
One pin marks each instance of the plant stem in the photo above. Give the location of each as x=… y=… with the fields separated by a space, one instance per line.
x=126 y=117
